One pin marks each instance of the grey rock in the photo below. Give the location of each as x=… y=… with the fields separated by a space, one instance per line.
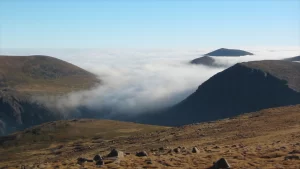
x=195 y=150
x=97 y=157
x=141 y=154
x=221 y=164
x=177 y=150
x=115 y=153
x=100 y=163
x=81 y=160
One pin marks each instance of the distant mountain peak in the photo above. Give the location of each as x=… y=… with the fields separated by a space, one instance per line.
x=228 y=52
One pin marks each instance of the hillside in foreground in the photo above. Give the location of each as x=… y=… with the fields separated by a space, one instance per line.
x=265 y=139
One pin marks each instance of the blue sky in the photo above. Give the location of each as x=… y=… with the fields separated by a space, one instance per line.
x=148 y=24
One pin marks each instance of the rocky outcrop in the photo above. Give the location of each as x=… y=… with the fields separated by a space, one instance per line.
x=18 y=111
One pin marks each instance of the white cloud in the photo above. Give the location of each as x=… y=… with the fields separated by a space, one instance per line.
x=142 y=80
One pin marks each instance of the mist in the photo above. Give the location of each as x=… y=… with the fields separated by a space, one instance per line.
x=140 y=81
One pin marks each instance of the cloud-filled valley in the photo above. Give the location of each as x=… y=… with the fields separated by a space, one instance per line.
x=136 y=81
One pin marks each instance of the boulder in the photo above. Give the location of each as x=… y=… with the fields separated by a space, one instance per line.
x=221 y=164
x=177 y=150
x=195 y=150
x=115 y=153
x=100 y=162
x=97 y=157
x=141 y=154
x=81 y=160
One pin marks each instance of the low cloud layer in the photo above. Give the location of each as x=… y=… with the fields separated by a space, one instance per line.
x=136 y=81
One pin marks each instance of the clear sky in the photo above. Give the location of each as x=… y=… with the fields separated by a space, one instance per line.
x=148 y=24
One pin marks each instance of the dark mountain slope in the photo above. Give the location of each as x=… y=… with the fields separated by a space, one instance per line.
x=244 y=87
x=293 y=59
x=205 y=60
x=18 y=111
x=228 y=52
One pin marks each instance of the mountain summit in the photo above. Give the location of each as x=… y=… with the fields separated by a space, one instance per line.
x=228 y=52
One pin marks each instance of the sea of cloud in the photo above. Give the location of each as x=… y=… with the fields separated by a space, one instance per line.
x=144 y=80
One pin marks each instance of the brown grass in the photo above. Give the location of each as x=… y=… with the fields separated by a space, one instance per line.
x=256 y=140
x=43 y=75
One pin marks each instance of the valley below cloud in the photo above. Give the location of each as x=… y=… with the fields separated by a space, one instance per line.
x=139 y=81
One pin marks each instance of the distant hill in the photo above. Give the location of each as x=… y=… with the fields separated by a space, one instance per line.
x=228 y=52
x=22 y=77
x=206 y=61
x=293 y=59
x=242 y=88
x=43 y=74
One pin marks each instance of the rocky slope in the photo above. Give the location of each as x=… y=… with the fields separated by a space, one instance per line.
x=18 y=111
x=242 y=88
x=24 y=77
x=265 y=139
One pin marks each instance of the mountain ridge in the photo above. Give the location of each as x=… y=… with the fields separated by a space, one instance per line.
x=242 y=88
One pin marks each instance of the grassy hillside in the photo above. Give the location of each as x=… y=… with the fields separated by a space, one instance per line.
x=283 y=70
x=43 y=74
x=263 y=139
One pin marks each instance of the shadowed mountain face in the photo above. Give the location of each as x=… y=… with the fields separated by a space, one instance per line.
x=18 y=111
x=293 y=59
x=228 y=52
x=22 y=77
x=242 y=88
x=206 y=61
